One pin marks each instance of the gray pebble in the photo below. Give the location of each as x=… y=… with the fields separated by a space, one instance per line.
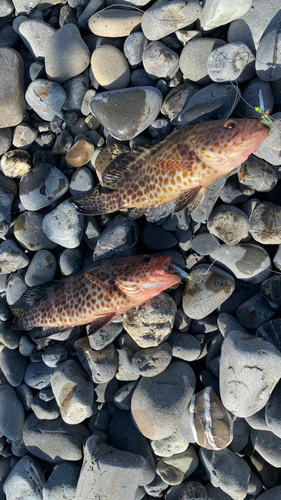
x=241 y=431
x=234 y=192
x=15 y=163
x=268 y=59
x=126 y=113
x=100 y=365
x=227 y=323
x=36 y=36
x=75 y=89
x=64 y=225
x=182 y=321
x=134 y=46
x=250 y=99
x=265 y=223
x=92 y=231
x=63 y=143
x=66 y=54
x=157 y=412
x=81 y=181
x=118 y=239
x=89 y=10
x=26 y=346
x=37 y=375
x=85 y=108
x=176 y=99
x=107 y=471
x=24 y=135
x=271 y=291
x=267 y=445
x=5 y=139
x=70 y=261
x=249 y=370
x=258 y=174
x=6 y=8
x=272 y=412
x=208 y=288
x=233 y=61
x=15 y=289
x=26 y=478
x=152 y=361
x=54 y=440
x=151 y=323
x=54 y=355
x=12 y=103
x=229 y=224
x=271 y=494
x=41 y=269
x=140 y=78
x=29 y=232
x=254 y=312
x=12 y=413
x=62 y=482
x=227 y=471
x=220 y=12
x=110 y=68
x=161 y=20
x=194 y=489
x=12 y=365
x=105 y=336
x=204 y=243
x=271 y=332
x=269 y=150
x=173 y=470
x=45 y=98
x=45 y=410
x=12 y=257
x=123 y=396
x=156 y=238
x=41 y=186
x=170 y=445
x=6 y=201
x=184 y=346
x=159 y=61
x=73 y=391
x=248 y=262
x=194 y=57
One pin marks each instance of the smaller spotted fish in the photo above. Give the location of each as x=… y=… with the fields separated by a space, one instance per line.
x=95 y=295
x=179 y=168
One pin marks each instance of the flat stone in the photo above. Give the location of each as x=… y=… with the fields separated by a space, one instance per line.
x=109 y=472
x=152 y=361
x=208 y=288
x=126 y=113
x=157 y=412
x=12 y=103
x=66 y=54
x=233 y=61
x=184 y=346
x=267 y=445
x=115 y=23
x=54 y=440
x=249 y=371
x=151 y=323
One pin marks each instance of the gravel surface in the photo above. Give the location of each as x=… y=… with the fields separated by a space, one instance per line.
x=179 y=398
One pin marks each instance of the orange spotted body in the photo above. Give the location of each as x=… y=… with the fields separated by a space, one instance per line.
x=97 y=294
x=179 y=168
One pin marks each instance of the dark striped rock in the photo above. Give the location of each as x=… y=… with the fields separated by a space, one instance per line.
x=211 y=422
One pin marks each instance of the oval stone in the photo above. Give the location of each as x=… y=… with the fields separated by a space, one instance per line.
x=114 y=22
x=110 y=67
x=12 y=103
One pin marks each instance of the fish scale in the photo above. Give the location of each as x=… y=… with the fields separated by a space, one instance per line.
x=179 y=168
x=95 y=295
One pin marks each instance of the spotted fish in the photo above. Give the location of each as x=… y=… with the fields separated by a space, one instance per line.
x=179 y=168
x=95 y=295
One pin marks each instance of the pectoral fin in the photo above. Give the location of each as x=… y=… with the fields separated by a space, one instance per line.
x=190 y=199
x=100 y=323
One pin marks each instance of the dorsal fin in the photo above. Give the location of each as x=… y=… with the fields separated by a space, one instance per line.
x=103 y=286
x=124 y=164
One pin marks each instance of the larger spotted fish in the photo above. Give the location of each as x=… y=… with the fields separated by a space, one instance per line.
x=95 y=295
x=179 y=168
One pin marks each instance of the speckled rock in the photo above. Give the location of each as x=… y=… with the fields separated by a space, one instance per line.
x=115 y=23
x=12 y=103
x=229 y=223
x=157 y=412
x=208 y=288
x=126 y=113
x=265 y=223
x=16 y=163
x=151 y=323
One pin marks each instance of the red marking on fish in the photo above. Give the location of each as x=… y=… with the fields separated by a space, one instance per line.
x=96 y=294
x=179 y=168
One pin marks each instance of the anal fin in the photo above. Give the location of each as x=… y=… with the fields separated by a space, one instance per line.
x=53 y=330
x=191 y=199
x=103 y=286
x=100 y=323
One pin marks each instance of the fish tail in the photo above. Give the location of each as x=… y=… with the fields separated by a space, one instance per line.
x=96 y=203
x=19 y=322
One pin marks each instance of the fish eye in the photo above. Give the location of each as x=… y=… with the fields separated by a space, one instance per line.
x=145 y=258
x=230 y=124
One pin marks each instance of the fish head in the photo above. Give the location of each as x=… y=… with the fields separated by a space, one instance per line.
x=226 y=144
x=146 y=276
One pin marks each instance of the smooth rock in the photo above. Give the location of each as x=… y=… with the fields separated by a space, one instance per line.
x=208 y=288
x=70 y=261
x=81 y=182
x=12 y=257
x=36 y=36
x=62 y=482
x=267 y=445
x=159 y=61
x=125 y=113
x=41 y=186
x=272 y=411
x=37 y=375
x=151 y=323
x=80 y=153
x=250 y=96
x=108 y=472
x=45 y=98
x=6 y=200
x=164 y=18
x=110 y=67
x=11 y=413
x=66 y=54
x=12 y=365
x=219 y=12
x=204 y=243
x=118 y=239
x=265 y=224
x=115 y=23
x=227 y=471
x=194 y=57
x=254 y=312
x=258 y=174
x=24 y=136
x=73 y=391
x=158 y=403
x=194 y=489
x=271 y=291
x=271 y=332
x=45 y=410
x=134 y=46
x=173 y=470
x=271 y=494
x=41 y=269
x=233 y=61
x=54 y=440
x=29 y=232
x=16 y=163
x=184 y=346
x=250 y=368
x=5 y=139
x=101 y=365
x=25 y=479
x=268 y=60
x=170 y=445
x=241 y=431
x=229 y=224
x=152 y=361
x=156 y=238
x=12 y=103
x=64 y=225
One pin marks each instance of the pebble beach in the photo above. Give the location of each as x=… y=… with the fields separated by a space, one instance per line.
x=178 y=398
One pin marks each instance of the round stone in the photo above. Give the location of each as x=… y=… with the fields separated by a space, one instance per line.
x=36 y=35
x=152 y=361
x=234 y=61
x=173 y=470
x=114 y=22
x=258 y=174
x=265 y=223
x=24 y=136
x=110 y=67
x=158 y=403
x=126 y=113
x=45 y=98
x=169 y=446
x=16 y=163
x=80 y=153
x=217 y=12
x=66 y=54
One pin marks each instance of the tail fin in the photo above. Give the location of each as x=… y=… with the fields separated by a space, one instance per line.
x=96 y=203
x=19 y=321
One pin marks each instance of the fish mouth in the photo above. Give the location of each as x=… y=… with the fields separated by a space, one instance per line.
x=169 y=270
